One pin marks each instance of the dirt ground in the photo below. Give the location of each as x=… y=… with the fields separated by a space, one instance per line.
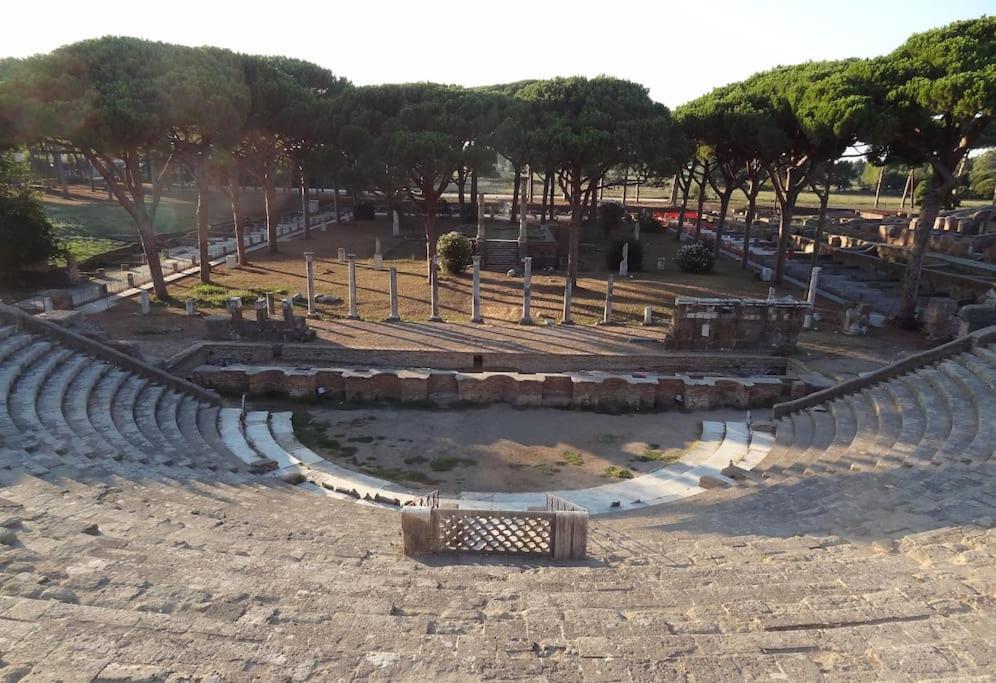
x=499 y=447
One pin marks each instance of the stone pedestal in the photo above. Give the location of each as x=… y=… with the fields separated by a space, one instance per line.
x=144 y=302
x=527 y=295
x=624 y=263
x=395 y=225
x=231 y=261
x=434 y=290
x=191 y=307
x=341 y=255
x=353 y=314
x=475 y=302
x=567 y=316
x=648 y=316
x=393 y=278
x=270 y=309
x=49 y=305
x=607 y=311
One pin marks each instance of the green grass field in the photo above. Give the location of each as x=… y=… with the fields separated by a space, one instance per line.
x=109 y=220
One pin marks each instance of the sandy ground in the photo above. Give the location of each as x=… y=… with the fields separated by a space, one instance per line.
x=499 y=447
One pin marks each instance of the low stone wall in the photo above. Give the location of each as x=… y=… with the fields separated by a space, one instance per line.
x=583 y=390
x=706 y=324
x=319 y=354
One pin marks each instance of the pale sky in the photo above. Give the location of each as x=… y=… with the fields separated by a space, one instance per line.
x=679 y=51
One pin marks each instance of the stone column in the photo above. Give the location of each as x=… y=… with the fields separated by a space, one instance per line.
x=393 y=276
x=648 y=316
x=396 y=224
x=624 y=263
x=48 y=305
x=814 y=280
x=480 y=218
x=270 y=310
x=288 y=311
x=191 y=307
x=144 y=302
x=607 y=313
x=378 y=257
x=309 y=264
x=434 y=290
x=341 y=255
x=235 y=310
x=636 y=230
x=568 y=317
x=527 y=294
x=352 y=315
x=523 y=203
x=325 y=226
x=475 y=301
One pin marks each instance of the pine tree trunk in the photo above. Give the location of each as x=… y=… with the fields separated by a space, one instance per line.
x=574 y=232
x=674 y=189
x=685 y=190
x=473 y=186
x=820 y=220
x=235 y=194
x=147 y=236
x=724 y=205
x=305 y=208
x=515 y=196
x=878 y=185
x=698 y=210
x=461 y=190
x=270 y=200
x=204 y=260
x=748 y=223
x=921 y=239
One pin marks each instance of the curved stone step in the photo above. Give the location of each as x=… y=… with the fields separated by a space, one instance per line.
x=10 y=371
x=186 y=421
x=939 y=421
x=12 y=344
x=912 y=426
x=889 y=415
x=282 y=427
x=208 y=419
x=144 y=410
x=981 y=367
x=964 y=415
x=51 y=402
x=860 y=455
x=232 y=433
x=983 y=445
x=824 y=432
x=844 y=430
x=23 y=400
x=784 y=435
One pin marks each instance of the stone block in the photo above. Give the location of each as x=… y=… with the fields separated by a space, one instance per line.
x=300 y=382
x=332 y=383
x=698 y=394
x=441 y=387
x=266 y=381
x=530 y=391
x=558 y=391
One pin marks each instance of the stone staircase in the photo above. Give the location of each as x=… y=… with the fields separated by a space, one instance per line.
x=941 y=415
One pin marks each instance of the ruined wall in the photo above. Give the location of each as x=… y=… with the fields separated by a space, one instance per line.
x=702 y=324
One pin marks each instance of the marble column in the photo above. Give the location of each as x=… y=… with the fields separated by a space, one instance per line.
x=378 y=257
x=527 y=295
x=434 y=290
x=352 y=315
x=624 y=263
x=144 y=301
x=191 y=307
x=341 y=255
x=814 y=281
x=648 y=316
x=393 y=276
x=270 y=308
x=475 y=302
x=607 y=312
x=480 y=218
x=309 y=264
x=396 y=224
x=567 y=317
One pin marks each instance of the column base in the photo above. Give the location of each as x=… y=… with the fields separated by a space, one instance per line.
x=477 y=321
x=392 y=319
x=525 y=321
x=435 y=319
x=352 y=317
x=568 y=321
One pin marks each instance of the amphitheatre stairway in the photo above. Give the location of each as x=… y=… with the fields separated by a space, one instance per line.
x=137 y=541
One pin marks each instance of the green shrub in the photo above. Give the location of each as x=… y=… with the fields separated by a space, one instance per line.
x=613 y=255
x=695 y=258
x=454 y=252
x=618 y=472
x=364 y=211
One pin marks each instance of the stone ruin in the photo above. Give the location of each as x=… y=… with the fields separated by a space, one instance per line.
x=235 y=327
x=708 y=324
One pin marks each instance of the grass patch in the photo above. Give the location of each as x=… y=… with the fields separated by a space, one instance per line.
x=396 y=474
x=652 y=454
x=312 y=434
x=547 y=469
x=572 y=457
x=447 y=463
x=615 y=472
